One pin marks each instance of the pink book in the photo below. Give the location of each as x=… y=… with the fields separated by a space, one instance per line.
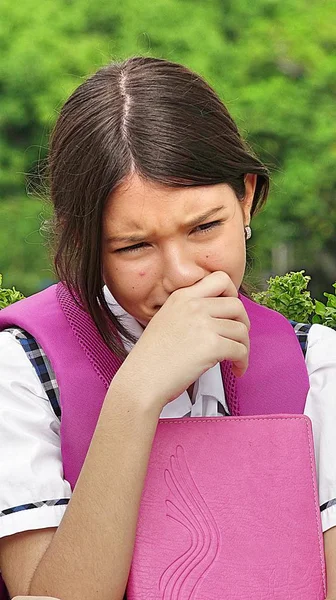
x=230 y=512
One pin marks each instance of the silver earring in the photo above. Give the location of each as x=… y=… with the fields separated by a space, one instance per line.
x=248 y=232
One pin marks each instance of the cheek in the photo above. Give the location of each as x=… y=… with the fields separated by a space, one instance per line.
x=134 y=292
x=128 y=284
x=138 y=283
x=228 y=256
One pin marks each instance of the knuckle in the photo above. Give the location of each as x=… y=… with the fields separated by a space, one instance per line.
x=213 y=344
x=194 y=303
x=194 y=307
x=242 y=330
x=244 y=352
x=177 y=296
x=225 y=279
x=223 y=276
x=239 y=305
x=235 y=304
x=241 y=312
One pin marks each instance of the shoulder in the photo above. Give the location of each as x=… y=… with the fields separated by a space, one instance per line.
x=322 y=338
x=321 y=348
x=35 y=306
x=318 y=343
x=11 y=352
x=18 y=378
x=321 y=333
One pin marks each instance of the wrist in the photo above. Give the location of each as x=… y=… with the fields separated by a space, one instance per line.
x=133 y=396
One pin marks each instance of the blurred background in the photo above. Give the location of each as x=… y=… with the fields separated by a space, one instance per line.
x=273 y=63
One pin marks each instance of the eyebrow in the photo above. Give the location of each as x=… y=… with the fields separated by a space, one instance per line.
x=141 y=237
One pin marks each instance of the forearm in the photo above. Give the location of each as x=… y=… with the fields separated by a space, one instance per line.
x=90 y=554
x=330 y=556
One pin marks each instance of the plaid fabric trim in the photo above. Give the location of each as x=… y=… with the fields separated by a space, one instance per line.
x=41 y=365
x=328 y=504
x=15 y=509
x=301 y=330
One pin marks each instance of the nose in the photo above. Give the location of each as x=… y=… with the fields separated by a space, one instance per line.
x=180 y=269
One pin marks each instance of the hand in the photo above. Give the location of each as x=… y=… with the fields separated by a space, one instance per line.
x=197 y=327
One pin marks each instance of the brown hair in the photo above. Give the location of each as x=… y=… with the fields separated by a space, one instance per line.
x=144 y=115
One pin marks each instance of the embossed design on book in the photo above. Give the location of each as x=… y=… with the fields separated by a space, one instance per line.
x=187 y=506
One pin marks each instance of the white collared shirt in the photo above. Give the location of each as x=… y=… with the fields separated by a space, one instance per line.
x=33 y=492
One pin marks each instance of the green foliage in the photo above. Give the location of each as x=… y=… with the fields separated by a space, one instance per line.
x=273 y=63
x=326 y=313
x=288 y=294
x=8 y=296
x=24 y=248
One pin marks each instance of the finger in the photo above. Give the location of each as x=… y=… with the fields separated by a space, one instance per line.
x=217 y=283
x=232 y=330
x=237 y=371
x=35 y=598
x=227 y=308
x=237 y=353
x=239 y=368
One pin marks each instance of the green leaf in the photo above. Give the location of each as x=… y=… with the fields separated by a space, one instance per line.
x=288 y=295
x=8 y=296
x=320 y=308
x=331 y=299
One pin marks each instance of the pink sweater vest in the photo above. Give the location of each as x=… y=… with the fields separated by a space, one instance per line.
x=275 y=382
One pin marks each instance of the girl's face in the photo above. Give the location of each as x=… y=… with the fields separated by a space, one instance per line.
x=157 y=239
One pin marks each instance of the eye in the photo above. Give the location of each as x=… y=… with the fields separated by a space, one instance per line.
x=207 y=226
x=200 y=229
x=134 y=248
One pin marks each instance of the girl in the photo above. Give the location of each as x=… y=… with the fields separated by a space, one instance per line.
x=153 y=191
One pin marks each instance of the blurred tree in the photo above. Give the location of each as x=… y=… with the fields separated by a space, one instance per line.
x=273 y=63
x=24 y=248
x=286 y=105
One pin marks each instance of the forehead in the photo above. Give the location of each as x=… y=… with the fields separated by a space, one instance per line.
x=137 y=201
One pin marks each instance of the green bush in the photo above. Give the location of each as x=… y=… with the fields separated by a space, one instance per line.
x=8 y=296
x=288 y=294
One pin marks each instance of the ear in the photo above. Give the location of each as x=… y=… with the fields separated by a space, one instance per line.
x=247 y=202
